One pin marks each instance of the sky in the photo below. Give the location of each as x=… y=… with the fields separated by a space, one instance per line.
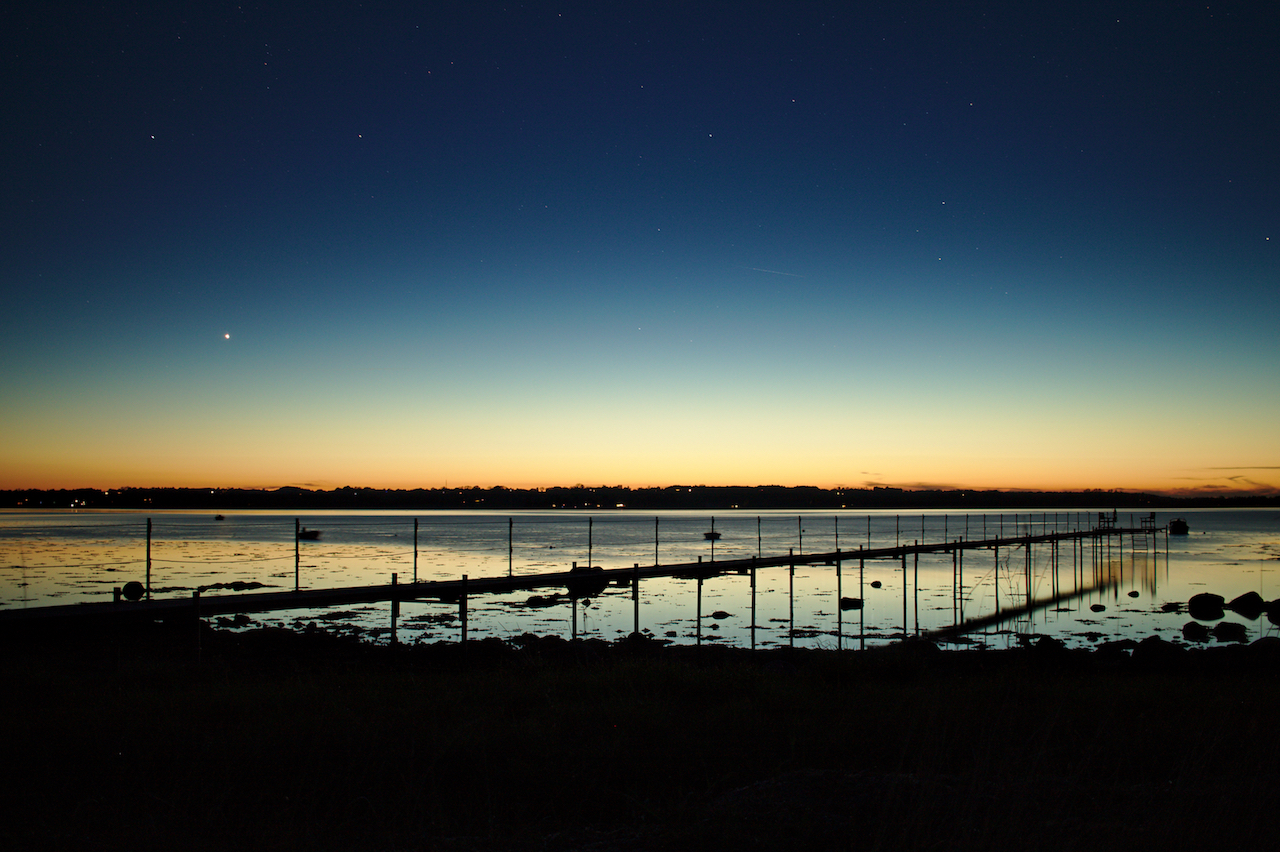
x=930 y=244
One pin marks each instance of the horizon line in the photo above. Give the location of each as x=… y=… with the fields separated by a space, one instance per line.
x=1208 y=491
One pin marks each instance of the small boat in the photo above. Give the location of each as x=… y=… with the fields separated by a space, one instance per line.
x=711 y=535
x=1178 y=526
x=308 y=535
x=219 y=517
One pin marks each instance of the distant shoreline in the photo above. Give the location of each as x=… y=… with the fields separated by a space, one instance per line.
x=616 y=498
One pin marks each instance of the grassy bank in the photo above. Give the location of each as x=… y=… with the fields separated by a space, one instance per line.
x=273 y=740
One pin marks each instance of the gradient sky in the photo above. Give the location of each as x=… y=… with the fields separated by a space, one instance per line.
x=944 y=244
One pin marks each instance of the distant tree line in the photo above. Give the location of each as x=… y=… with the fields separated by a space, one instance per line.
x=615 y=497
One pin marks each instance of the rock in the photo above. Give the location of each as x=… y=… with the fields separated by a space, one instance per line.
x=1097 y=608
x=589 y=586
x=133 y=590
x=1205 y=607
x=1170 y=606
x=1115 y=647
x=1050 y=644
x=1134 y=593
x=875 y=584
x=720 y=615
x=1153 y=649
x=850 y=603
x=1230 y=631
x=1250 y=605
x=1194 y=631
x=1268 y=646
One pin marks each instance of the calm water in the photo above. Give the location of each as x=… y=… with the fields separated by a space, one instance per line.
x=64 y=557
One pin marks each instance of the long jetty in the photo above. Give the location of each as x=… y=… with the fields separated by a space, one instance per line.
x=587 y=581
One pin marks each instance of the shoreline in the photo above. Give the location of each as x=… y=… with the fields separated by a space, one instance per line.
x=608 y=499
x=281 y=739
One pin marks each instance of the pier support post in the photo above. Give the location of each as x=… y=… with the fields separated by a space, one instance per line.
x=1028 y=570
x=997 y=576
x=395 y=607
x=862 y=613
x=905 y=624
x=148 y=559
x=699 y=634
x=839 y=596
x=462 y=608
x=1053 y=555
x=791 y=616
x=195 y=606
x=297 y=553
x=753 y=602
x=635 y=598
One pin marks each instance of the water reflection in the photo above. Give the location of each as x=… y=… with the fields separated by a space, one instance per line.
x=1081 y=591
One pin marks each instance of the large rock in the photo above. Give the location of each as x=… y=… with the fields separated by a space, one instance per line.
x=1268 y=646
x=1250 y=605
x=1156 y=650
x=1206 y=607
x=1230 y=631
x=1194 y=631
x=592 y=583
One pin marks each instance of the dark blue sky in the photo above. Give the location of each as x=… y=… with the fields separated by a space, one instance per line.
x=483 y=225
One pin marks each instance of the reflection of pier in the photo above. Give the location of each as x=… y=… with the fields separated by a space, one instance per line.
x=1089 y=560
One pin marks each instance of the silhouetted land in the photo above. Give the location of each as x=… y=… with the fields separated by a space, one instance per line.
x=142 y=737
x=613 y=497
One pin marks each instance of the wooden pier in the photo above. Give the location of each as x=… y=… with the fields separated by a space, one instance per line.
x=591 y=581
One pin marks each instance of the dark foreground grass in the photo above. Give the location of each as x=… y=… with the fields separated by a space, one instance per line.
x=274 y=740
